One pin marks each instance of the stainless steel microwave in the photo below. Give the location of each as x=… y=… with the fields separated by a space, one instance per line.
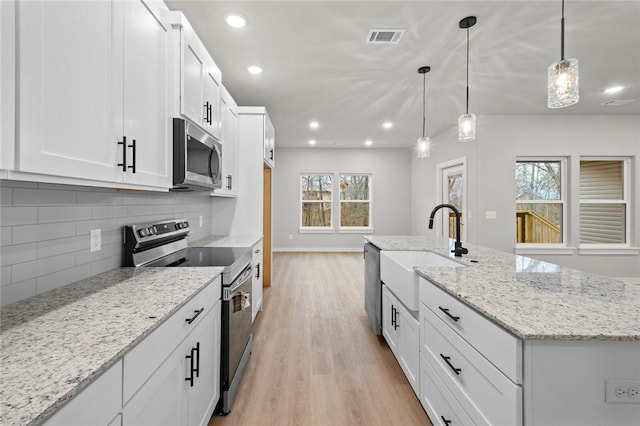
x=197 y=158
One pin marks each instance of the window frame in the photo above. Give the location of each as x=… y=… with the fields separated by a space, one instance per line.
x=561 y=247
x=606 y=248
x=316 y=229
x=355 y=229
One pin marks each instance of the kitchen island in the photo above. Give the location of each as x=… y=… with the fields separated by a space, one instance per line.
x=559 y=341
x=57 y=343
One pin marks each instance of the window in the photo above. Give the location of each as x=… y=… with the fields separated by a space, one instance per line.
x=540 y=204
x=604 y=201
x=355 y=201
x=316 y=195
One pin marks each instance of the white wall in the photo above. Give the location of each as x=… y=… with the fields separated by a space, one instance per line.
x=491 y=170
x=390 y=185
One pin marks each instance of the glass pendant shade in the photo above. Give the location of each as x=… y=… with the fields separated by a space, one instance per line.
x=424 y=147
x=467 y=127
x=562 y=84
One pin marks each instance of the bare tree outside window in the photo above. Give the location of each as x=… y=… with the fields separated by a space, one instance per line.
x=539 y=202
x=316 y=199
x=355 y=201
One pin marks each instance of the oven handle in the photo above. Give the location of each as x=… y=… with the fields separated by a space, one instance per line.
x=238 y=282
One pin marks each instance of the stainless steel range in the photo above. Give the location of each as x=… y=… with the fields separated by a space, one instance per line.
x=164 y=244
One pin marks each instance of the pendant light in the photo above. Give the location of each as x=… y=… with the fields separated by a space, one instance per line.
x=467 y=122
x=562 y=77
x=424 y=142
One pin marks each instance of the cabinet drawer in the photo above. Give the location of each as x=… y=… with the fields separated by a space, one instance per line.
x=473 y=380
x=436 y=399
x=148 y=355
x=499 y=346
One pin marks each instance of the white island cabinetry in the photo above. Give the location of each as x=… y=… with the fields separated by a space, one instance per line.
x=104 y=116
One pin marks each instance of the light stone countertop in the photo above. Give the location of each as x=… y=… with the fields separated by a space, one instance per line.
x=56 y=343
x=227 y=241
x=532 y=299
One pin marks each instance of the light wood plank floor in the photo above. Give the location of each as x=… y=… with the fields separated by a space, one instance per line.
x=315 y=358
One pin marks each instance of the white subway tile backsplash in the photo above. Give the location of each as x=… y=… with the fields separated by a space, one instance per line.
x=6 y=195
x=63 y=214
x=17 y=291
x=42 y=197
x=45 y=230
x=62 y=245
x=17 y=253
x=5 y=235
x=36 y=268
x=60 y=278
x=18 y=215
x=42 y=232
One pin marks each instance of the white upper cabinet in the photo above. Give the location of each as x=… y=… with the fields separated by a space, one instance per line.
x=198 y=78
x=229 y=112
x=269 y=141
x=93 y=79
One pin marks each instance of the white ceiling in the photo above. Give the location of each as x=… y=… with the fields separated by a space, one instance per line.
x=317 y=65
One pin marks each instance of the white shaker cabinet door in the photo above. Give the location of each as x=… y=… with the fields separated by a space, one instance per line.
x=193 y=71
x=146 y=94
x=70 y=88
x=205 y=392
x=211 y=94
x=163 y=398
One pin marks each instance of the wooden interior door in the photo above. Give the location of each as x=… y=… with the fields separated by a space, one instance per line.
x=266 y=227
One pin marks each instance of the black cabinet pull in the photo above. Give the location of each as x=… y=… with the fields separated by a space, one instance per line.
x=190 y=357
x=197 y=349
x=258 y=270
x=271 y=156
x=206 y=112
x=393 y=317
x=446 y=311
x=133 y=151
x=229 y=182
x=455 y=370
x=193 y=318
x=124 y=154
x=446 y=422
x=209 y=114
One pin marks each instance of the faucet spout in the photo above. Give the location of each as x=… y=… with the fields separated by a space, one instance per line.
x=459 y=250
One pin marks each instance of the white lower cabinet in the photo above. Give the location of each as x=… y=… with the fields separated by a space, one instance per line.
x=401 y=330
x=98 y=404
x=183 y=388
x=256 y=284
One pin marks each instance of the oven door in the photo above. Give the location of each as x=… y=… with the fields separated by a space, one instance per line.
x=236 y=310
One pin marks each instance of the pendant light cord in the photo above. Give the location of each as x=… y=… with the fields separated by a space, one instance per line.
x=468 y=70
x=562 y=34
x=424 y=78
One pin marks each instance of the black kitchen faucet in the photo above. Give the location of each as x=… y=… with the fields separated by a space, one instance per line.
x=458 y=250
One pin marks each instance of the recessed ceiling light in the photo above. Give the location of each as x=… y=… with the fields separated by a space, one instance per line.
x=387 y=125
x=613 y=89
x=314 y=124
x=312 y=141
x=254 y=69
x=368 y=142
x=235 y=20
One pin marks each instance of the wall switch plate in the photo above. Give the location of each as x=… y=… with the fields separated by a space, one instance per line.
x=490 y=214
x=96 y=240
x=200 y=221
x=622 y=391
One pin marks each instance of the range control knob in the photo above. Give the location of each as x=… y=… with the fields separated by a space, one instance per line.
x=179 y=225
x=185 y=224
x=142 y=233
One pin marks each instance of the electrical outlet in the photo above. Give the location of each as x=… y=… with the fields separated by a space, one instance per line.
x=95 y=241
x=622 y=391
x=200 y=221
x=290 y=236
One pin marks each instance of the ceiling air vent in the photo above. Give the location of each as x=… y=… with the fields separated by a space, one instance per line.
x=618 y=102
x=384 y=36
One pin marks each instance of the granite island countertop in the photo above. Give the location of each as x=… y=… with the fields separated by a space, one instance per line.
x=56 y=343
x=227 y=241
x=532 y=299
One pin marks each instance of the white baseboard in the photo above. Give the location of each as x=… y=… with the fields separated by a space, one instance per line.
x=319 y=249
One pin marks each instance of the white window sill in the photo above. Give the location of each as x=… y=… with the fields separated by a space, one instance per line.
x=601 y=249
x=544 y=249
x=356 y=230
x=316 y=230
